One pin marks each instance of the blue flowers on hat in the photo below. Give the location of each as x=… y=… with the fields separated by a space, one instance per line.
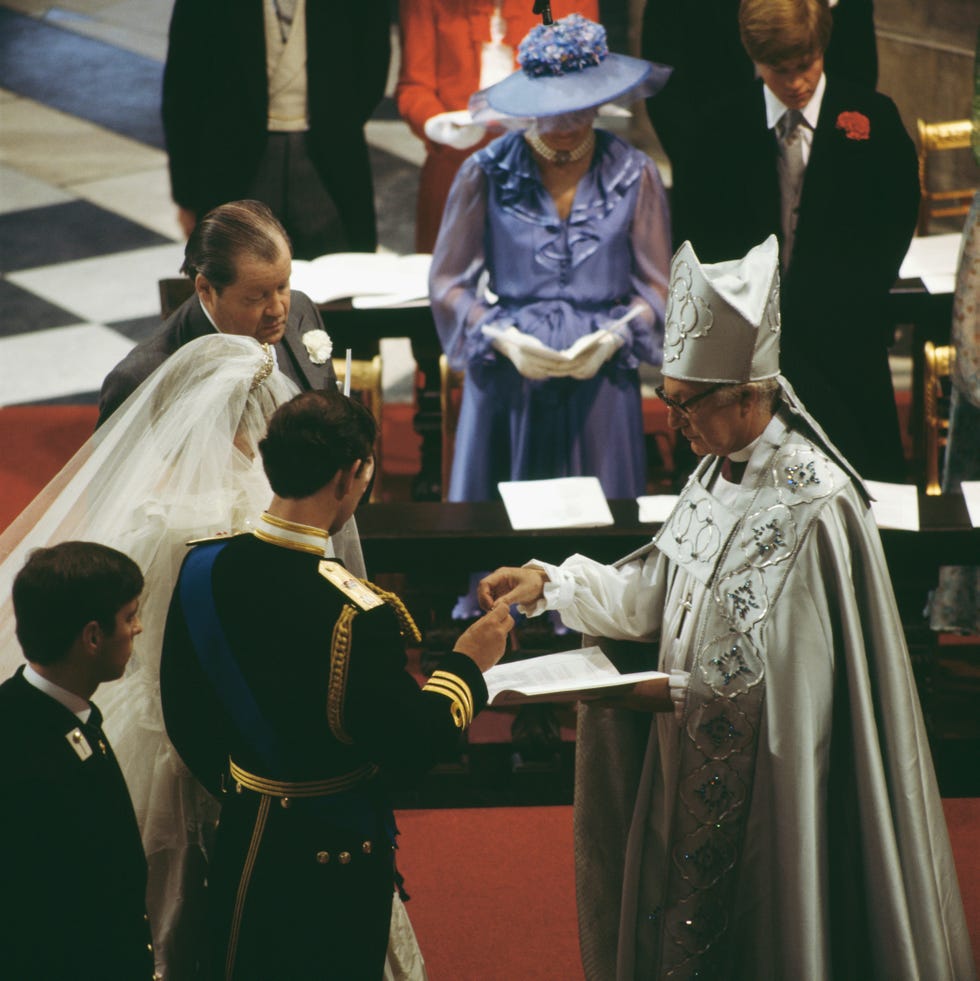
x=568 y=45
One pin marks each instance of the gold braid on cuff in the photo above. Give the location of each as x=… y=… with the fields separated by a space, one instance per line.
x=458 y=693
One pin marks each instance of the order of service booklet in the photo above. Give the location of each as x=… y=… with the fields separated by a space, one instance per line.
x=569 y=676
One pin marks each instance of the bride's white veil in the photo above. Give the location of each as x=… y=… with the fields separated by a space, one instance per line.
x=178 y=458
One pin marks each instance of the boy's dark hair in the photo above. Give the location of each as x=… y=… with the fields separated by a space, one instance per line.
x=774 y=32
x=313 y=436
x=62 y=588
x=228 y=232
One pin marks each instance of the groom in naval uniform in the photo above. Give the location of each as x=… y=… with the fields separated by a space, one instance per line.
x=298 y=713
x=828 y=167
x=239 y=259
x=74 y=873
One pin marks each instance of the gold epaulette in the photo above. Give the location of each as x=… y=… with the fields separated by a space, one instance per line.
x=356 y=590
x=457 y=691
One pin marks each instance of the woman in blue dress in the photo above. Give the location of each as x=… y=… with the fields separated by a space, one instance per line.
x=549 y=276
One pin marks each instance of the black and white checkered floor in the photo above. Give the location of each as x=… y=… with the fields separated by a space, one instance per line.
x=87 y=227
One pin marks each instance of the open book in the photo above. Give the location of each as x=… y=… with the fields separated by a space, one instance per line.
x=570 y=676
x=368 y=278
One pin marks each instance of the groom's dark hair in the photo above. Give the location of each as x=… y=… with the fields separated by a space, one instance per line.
x=313 y=436
x=62 y=588
x=226 y=234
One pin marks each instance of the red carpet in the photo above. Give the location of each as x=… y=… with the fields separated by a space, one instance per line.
x=493 y=890
x=35 y=443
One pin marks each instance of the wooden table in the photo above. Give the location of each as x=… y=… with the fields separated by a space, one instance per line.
x=436 y=546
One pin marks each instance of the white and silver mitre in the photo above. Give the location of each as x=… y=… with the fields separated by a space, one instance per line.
x=722 y=320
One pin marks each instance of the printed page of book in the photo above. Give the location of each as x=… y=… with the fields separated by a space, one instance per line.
x=569 y=676
x=563 y=502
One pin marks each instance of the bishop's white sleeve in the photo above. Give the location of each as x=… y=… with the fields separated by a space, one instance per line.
x=620 y=602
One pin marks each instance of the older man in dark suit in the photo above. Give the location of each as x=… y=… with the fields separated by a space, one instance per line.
x=829 y=168
x=239 y=260
x=74 y=873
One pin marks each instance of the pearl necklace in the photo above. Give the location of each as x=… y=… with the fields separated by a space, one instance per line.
x=560 y=157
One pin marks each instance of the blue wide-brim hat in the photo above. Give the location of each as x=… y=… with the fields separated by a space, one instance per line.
x=566 y=66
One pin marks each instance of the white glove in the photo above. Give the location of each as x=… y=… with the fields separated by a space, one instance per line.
x=531 y=358
x=455 y=129
x=591 y=356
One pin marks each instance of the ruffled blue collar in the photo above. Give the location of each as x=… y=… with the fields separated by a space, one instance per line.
x=511 y=169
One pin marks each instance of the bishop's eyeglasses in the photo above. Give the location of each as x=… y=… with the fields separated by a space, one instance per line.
x=684 y=407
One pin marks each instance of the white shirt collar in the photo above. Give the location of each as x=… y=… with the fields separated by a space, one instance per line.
x=811 y=112
x=772 y=434
x=74 y=703
x=207 y=313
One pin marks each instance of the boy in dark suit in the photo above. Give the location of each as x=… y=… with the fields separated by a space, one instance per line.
x=74 y=873
x=829 y=168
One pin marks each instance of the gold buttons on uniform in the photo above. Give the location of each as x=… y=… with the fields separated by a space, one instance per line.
x=344 y=858
x=284 y=802
x=238 y=788
x=366 y=847
x=323 y=857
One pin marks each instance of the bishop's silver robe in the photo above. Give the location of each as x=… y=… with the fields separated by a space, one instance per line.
x=785 y=822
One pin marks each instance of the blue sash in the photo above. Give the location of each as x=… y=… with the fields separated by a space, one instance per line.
x=357 y=809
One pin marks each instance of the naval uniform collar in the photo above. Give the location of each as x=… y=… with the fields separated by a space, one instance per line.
x=291 y=534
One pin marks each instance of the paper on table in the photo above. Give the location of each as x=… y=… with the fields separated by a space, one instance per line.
x=932 y=258
x=352 y=274
x=894 y=505
x=566 y=677
x=971 y=494
x=563 y=502
x=656 y=507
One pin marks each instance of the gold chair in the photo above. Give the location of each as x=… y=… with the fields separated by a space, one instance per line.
x=450 y=397
x=938 y=366
x=365 y=381
x=933 y=137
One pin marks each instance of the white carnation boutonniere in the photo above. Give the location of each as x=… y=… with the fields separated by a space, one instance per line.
x=318 y=345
